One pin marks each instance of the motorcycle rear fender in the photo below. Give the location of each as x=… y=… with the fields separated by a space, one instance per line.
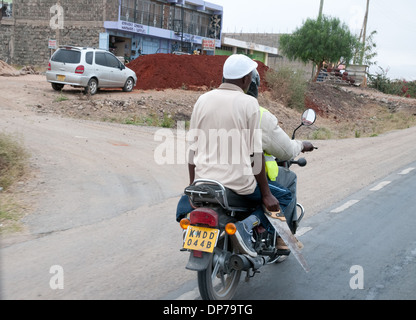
x=199 y=264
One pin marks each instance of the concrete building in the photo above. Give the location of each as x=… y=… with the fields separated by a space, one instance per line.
x=255 y=51
x=271 y=40
x=147 y=27
x=32 y=29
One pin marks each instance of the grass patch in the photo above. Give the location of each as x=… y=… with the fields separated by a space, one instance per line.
x=13 y=160
x=61 y=98
x=10 y=214
x=321 y=134
x=152 y=119
x=167 y=121
x=13 y=163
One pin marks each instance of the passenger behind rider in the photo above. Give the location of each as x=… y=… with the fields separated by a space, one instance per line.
x=277 y=145
x=228 y=108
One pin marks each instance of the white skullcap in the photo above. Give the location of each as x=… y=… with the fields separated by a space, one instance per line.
x=237 y=66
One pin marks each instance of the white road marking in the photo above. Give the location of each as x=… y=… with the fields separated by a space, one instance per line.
x=406 y=171
x=381 y=185
x=194 y=294
x=302 y=231
x=345 y=206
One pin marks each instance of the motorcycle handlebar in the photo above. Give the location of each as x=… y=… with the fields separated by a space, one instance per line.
x=301 y=162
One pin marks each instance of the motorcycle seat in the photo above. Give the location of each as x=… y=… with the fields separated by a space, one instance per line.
x=216 y=193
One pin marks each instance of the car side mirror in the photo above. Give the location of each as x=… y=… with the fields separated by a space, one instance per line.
x=122 y=66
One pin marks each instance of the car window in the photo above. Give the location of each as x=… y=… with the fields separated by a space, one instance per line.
x=67 y=56
x=88 y=57
x=112 y=61
x=100 y=59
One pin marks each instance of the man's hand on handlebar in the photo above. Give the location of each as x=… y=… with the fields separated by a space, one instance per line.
x=307 y=146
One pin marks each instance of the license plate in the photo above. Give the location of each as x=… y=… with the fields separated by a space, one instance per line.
x=201 y=239
x=60 y=78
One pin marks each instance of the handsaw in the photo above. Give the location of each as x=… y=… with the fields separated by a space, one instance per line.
x=278 y=221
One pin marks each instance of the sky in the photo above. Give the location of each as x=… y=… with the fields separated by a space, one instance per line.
x=394 y=21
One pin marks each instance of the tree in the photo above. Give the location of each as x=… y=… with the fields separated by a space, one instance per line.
x=365 y=52
x=325 y=40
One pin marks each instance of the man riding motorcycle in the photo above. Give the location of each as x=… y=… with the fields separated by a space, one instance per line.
x=229 y=110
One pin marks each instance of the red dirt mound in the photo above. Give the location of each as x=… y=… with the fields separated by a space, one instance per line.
x=169 y=71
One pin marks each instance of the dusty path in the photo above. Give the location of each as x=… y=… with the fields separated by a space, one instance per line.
x=104 y=210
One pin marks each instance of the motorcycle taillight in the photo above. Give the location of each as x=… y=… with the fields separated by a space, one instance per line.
x=204 y=216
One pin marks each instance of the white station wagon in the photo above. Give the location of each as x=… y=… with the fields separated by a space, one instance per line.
x=89 y=68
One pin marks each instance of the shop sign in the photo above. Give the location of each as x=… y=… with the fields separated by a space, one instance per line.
x=208 y=44
x=132 y=27
x=52 y=44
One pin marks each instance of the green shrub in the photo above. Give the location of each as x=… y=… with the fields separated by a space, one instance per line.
x=382 y=83
x=321 y=134
x=288 y=86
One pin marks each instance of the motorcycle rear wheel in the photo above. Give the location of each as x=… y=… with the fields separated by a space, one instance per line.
x=216 y=282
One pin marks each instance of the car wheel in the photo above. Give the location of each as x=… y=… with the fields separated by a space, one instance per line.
x=57 y=86
x=92 y=87
x=128 y=86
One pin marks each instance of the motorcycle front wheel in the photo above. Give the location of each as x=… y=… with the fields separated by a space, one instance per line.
x=219 y=281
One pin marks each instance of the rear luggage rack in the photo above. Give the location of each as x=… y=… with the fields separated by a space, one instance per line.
x=210 y=191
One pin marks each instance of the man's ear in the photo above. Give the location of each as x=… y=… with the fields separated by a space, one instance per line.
x=246 y=82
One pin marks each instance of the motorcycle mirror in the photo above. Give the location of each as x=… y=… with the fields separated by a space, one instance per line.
x=308 y=117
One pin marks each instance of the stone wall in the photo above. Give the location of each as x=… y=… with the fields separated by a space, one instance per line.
x=31 y=43
x=74 y=10
x=24 y=37
x=6 y=42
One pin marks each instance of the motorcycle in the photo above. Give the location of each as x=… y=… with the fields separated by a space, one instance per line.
x=209 y=230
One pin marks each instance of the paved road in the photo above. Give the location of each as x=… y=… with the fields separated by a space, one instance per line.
x=366 y=242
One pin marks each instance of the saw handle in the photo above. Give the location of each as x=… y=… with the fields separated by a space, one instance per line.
x=275 y=214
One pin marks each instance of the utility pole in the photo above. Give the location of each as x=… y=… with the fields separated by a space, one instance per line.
x=364 y=32
x=321 y=8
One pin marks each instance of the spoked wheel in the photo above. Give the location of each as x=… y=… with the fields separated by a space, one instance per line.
x=128 y=87
x=219 y=281
x=92 y=87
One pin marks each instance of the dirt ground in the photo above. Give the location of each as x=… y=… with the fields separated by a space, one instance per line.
x=94 y=191
x=343 y=112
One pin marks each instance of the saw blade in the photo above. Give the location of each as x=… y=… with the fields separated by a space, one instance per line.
x=279 y=223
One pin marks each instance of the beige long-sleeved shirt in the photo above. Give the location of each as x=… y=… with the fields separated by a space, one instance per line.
x=224 y=132
x=275 y=141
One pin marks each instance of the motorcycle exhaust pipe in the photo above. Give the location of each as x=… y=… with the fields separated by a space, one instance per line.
x=241 y=262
